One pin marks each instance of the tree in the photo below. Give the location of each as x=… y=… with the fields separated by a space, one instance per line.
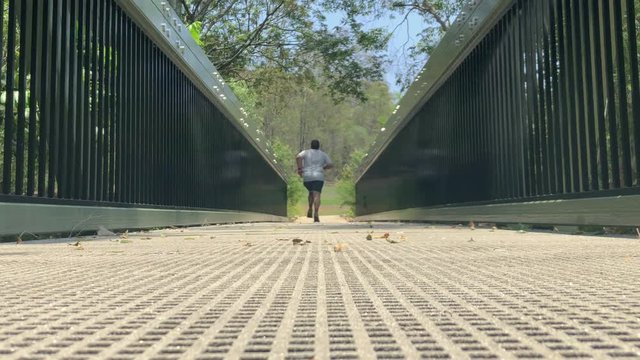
x=292 y=35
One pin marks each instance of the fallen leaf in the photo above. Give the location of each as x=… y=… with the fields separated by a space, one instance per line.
x=77 y=243
x=493 y=228
x=282 y=239
x=369 y=237
x=189 y=238
x=339 y=247
x=125 y=235
x=392 y=241
x=296 y=241
x=472 y=226
x=384 y=236
x=102 y=231
x=124 y=241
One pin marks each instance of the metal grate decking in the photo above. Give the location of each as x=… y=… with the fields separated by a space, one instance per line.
x=245 y=291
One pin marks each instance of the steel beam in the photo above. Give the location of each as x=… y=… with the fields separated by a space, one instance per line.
x=16 y=218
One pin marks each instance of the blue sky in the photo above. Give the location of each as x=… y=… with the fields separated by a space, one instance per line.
x=404 y=36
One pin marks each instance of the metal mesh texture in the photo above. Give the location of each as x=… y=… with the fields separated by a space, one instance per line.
x=246 y=292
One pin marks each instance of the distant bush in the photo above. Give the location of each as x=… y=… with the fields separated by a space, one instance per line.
x=295 y=189
x=346 y=185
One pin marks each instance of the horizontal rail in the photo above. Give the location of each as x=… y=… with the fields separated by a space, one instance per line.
x=605 y=211
x=16 y=219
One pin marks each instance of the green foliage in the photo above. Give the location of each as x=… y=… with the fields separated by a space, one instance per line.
x=291 y=35
x=295 y=189
x=195 y=29
x=347 y=183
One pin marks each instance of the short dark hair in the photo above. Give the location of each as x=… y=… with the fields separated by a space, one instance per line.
x=315 y=144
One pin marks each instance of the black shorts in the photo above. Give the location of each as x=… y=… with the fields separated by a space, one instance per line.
x=314 y=186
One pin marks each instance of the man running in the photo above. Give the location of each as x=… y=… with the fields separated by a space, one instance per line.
x=311 y=165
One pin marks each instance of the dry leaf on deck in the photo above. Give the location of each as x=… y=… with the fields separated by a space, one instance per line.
x=339 y=247
x=102 y=231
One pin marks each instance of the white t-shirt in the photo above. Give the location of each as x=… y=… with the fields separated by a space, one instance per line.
x=313 y=163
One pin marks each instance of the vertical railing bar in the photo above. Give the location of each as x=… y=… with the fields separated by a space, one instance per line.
x=508 y=103
x=120 y=103
x=70 y=157
x=137 y=150
x=611 y=119
x=144 y=136
x=512 y=118
x=54 y=131
x=495 y=112
x=108 y=103
x=22 y=99
x=621 y=94
x=95 y=103
x=86 y=106
x=558 y=163
x=64 y=103
x=521 y=101
x=563 y=109
x=45 y=100
x=36 y=11
x=104 y=104
x=579 y=121
x=550 y=134
x=142 y=120
x=541 y=114
x=570 y=115
x=128 y=154
x=581 y=62
x=589 y=147
x=598 y=97
x=635 y=83
x=156 y=122
x=99 y=100
x=172 y=132
x=140 y=174
x=80 y=123
x=514 y=99
x=5 y=173
x=113 y=93
x=8 y=114
x=87 y=136
x=531 y=95
x=502 y=111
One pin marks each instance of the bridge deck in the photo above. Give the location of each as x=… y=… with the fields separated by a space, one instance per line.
x=245 y=291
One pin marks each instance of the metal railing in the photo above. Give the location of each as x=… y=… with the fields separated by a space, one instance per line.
x=544 y=105
x=96 y=113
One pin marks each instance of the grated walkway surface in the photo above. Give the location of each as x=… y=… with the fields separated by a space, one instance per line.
x=246 y=292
